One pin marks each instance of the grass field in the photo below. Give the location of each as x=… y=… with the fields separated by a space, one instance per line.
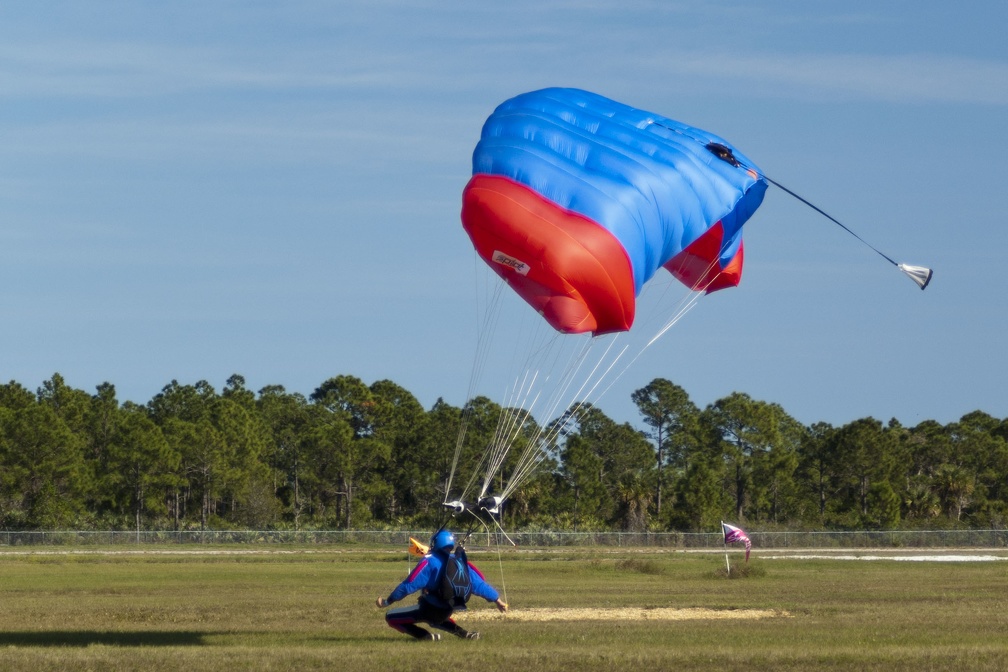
x=313 y=609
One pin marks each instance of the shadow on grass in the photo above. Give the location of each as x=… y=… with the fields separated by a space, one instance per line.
x=357 y=639
x=88 y=637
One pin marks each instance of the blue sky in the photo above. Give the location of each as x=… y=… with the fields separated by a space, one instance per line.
x=191 y=190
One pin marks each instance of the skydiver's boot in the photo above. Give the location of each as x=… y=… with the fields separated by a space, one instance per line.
x=454 y=628
x=422 y=635
x=462 y=633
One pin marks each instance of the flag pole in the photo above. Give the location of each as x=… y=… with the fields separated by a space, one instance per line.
x=727 y=566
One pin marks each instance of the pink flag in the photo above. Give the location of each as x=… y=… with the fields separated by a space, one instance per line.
x=734 y=534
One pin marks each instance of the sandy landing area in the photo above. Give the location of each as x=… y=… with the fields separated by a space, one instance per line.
x=621 y=614
x=914 y=557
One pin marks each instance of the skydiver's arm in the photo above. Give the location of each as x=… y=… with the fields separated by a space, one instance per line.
x=482 y=588
x=416 y=580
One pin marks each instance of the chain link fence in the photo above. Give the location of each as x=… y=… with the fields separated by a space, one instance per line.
x=894 y=539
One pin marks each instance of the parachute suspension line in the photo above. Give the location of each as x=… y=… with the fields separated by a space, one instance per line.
x=511 y=421
x=492 y=455
x=472 y=478
x=501 y=533
x=535 y=449
x=484 y=337
x=500 y=566
x=581 y=394
x=685 y=304
x=500 y=530
x=606 y=370
x=486 y=332
x=684 y=308
x=509 y=426
x=605 y=376
x=568 y=375
x=612 y=343
x=517 y=408
x=538 y=447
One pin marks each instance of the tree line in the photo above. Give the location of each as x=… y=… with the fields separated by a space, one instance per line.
x=352 y=455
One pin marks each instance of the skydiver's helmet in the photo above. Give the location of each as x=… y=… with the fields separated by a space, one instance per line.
x=443 y=540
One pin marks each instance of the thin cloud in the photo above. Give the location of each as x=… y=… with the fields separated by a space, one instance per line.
x=86 y=70
x=910 y=78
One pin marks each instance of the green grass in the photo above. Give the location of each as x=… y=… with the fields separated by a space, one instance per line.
x=313 y=609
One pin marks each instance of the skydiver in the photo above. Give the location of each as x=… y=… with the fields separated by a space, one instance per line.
x=431 y=608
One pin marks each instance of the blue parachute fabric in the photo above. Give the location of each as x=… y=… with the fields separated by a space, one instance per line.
x=649 y=180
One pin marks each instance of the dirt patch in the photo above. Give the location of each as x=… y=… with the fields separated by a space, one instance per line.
x=622 y=614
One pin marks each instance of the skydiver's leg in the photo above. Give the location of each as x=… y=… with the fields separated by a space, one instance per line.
x=449 y=625
x=404 y=619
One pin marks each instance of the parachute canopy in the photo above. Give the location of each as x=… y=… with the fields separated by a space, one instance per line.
x=576 y=201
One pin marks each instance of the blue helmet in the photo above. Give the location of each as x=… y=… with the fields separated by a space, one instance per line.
x=443 y=540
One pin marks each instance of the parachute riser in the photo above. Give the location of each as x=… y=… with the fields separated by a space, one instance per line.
x=488 y=505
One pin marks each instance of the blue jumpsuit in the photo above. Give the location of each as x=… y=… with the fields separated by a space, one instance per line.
x=430 y=608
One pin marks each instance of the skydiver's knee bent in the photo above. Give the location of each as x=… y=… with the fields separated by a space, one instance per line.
x=403 y=616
